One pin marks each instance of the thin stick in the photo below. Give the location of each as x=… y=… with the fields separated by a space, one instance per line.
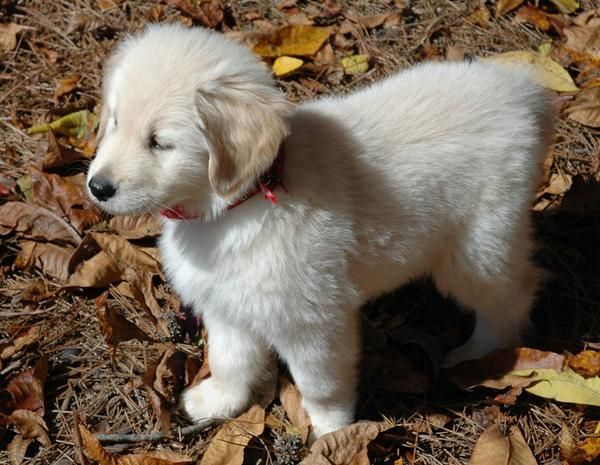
x=155 y=437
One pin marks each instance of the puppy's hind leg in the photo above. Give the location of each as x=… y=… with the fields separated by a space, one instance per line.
x=498 y=282
x=239 y=361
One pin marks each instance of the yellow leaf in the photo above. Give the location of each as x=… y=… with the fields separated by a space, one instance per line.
x=295 y=40
x=355 y=64
x=79 y=125
x=564 y=386
x=566 y=6
x=284 y=66
x=504 y=6
x=545 y=48
x=496 y=448
x=546 y=71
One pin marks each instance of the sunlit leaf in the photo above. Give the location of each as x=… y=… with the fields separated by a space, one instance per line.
x=295 y=40
x=284 y=66
x=355 y=64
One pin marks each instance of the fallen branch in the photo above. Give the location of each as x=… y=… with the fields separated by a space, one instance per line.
x=155 y=437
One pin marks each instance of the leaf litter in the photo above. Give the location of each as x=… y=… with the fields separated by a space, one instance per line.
x=55 y=237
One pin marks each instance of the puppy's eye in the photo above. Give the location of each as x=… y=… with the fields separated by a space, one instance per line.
x=155 y=144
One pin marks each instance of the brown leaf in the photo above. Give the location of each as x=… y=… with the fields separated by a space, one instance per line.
x=8 y=36
x=164 y=381
x=585 y=452
x=227 y=446
x=136 y=227
x=33 y=222
x=207 y=13
x=98 y=271
x=495 y=448
x=22 y=339
x=584 y=36
x=504 y=6
x=535 y=16
x=26 y=390
x=480 y=16
x=17 y=449
x=66 y=85
x=51 y=259
x=374 y=21
x=586 y=363
x=31 y=426
x=115 y=327
x=585 y=109
x=491 y=370
x=56 y=155
x=348 y=445
x=291 y=400
x=96 y=452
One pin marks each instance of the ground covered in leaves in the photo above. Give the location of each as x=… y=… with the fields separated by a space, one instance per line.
x=94 y=347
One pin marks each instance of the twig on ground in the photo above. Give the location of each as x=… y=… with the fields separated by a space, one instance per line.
x=155 y=437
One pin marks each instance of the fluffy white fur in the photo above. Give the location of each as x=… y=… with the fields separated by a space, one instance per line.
x=428 y=172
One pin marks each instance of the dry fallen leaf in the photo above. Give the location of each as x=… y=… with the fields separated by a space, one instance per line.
x=26 y=390
x=115 y=327
x=586 y=363
x=355 y=64
x=588 y=451
x=495 y=448
x=558 y=184
x=136 y=227
x=227 y=446
x=33 y=222
x=207 y=13
x=298 y=40
x=371 y=22
x=494 y=370
x=19 y=341
x=585 y=109
x=545 y=70
x=51 y=259
x=30 y=426
x=535 y=16
x=284 y=66
x=95 y=451
x=584 y=35
x=56 y=155
x=8 y=36
x=504 y=6
x=480 y=16
x=17 y=449
x=66 y=85
x=348 y=445
x=291 y=400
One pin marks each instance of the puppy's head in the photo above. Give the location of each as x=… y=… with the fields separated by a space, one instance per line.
x=189 y=118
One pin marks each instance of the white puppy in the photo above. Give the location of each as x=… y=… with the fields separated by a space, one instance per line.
x=429 y=172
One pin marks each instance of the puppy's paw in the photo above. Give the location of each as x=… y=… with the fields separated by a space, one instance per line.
x=327 y=420
x=209 y=399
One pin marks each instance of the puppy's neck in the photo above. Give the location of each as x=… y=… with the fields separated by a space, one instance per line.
x=266 y=184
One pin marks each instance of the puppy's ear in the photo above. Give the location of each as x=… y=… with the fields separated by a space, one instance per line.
x=244 y=128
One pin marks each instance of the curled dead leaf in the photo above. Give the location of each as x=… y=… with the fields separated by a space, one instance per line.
x=136 y=227
x=26 y=390
x=66 y=85
x=348 y=445
x=227 y=446
x=480 y=16
x=31 y=426
x=8 y=35
x=51 y=259
x=585 y=109
x=497 y=448
x=17 y=449
x=115 y=327
x=291 y=400
x=55 y=155
x=586 y=363
x=207 y=13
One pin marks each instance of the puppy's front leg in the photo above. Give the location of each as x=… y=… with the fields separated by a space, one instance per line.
x=238 y=361
x=323 y=362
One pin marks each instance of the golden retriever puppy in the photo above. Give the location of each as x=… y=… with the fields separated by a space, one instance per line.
x=281 y=221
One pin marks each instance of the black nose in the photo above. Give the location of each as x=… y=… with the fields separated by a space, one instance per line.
x=101 y=188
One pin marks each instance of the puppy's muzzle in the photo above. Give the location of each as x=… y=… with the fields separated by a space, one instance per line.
x=101 y=188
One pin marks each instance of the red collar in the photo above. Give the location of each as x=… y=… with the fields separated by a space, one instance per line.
x=267 y=183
